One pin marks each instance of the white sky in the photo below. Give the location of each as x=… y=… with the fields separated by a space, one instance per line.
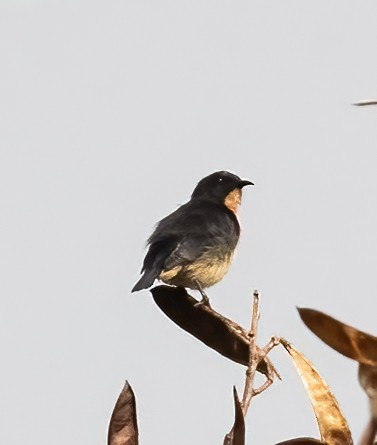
x=110 y=112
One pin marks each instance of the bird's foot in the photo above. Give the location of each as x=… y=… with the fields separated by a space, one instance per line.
x=203 y=302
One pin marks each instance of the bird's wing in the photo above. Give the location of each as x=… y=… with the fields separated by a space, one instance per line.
x=184 y=235
x=159 y=250
x=187 y=251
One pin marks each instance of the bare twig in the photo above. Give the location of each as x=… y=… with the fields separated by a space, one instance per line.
x=254 y=356
x=257 y=354
x=275 y=341
x=362 y=103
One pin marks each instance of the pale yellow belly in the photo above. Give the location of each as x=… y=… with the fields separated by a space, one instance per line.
x=205 y=270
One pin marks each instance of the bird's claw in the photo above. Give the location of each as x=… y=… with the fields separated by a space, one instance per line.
x=203 y=302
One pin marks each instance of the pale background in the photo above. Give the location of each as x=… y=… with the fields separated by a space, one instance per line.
x=110 y=112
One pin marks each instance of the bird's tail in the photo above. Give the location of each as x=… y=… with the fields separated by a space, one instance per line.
x=146 y=280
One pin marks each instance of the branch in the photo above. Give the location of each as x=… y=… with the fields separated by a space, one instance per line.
x=253 y=357
x=256 y=356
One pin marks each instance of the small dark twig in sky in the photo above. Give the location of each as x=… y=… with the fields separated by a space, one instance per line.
x=363 y=103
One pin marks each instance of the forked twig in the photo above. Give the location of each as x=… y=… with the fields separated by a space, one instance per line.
x=275 y=341
x=256 y=355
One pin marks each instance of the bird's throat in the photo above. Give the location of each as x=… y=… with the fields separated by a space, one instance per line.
x=233 y=200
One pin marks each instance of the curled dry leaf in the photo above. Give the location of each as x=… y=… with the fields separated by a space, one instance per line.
x=216 y=331
x=123 y=428
x=345 y=339
x=237 y=433
x=356 y=345
x=331 y=422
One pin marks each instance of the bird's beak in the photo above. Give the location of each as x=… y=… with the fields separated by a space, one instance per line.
x=244 y=182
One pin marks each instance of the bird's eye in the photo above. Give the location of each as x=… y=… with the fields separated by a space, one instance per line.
x=220 y=179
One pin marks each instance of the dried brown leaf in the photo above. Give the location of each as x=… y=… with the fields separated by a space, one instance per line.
x=331 y=422
x=216 y=331
x=123 y=428
x=237 y=433
x=345 y=339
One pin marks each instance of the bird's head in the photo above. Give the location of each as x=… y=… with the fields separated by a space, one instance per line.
x=221 y=187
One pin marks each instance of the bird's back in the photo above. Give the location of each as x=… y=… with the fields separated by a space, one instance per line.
x=200 y=219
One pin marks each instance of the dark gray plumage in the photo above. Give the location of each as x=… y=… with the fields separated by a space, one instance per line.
x=193 y=246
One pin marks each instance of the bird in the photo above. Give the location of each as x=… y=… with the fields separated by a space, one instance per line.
x=194 y=246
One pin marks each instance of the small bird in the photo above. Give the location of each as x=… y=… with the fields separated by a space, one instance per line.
x=193 y=246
